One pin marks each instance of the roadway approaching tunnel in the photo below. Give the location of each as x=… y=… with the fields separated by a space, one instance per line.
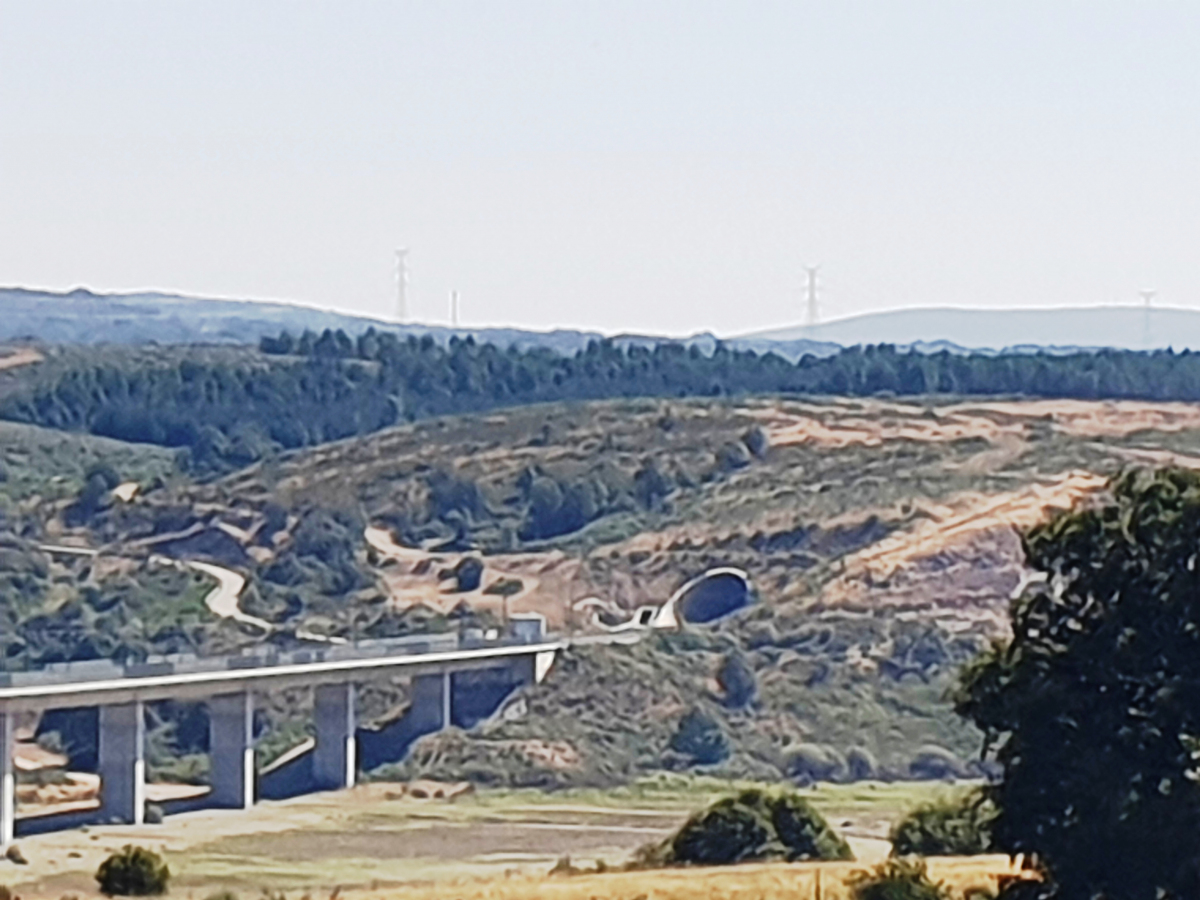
x=228 y=685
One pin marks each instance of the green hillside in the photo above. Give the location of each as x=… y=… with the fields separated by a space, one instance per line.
x=878 y=534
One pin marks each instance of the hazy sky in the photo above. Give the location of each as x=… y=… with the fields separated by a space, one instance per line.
x=650 y=166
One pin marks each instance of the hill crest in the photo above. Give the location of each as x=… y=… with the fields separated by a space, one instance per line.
x=1062 y=329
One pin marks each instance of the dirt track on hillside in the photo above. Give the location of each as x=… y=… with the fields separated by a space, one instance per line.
x=961 y=562
x=872 y=423
x=969 y=515
x=223 y=599
x=20 y=356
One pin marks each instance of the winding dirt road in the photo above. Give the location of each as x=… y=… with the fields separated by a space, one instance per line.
x=223 y=599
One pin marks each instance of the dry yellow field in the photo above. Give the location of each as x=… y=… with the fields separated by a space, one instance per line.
x=965 y=877
x=376 y=843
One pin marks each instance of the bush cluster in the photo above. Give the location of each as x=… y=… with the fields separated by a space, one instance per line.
x=133 y=872
x=754 y=825
x=897 y=879
x=958 y=827
x=700 y=739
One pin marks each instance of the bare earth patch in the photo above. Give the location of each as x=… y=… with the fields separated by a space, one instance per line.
x=960 y=562
x=15 y=357
x=874 y=422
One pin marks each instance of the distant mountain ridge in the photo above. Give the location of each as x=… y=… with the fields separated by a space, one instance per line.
x=1060 y=329
x=83 y=317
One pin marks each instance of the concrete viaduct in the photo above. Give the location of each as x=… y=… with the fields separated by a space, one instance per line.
x=228 y=686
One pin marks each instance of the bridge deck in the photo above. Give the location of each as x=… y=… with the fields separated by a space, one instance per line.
x=104 y=683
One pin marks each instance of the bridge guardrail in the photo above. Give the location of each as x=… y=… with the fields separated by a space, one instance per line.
x=255 y=658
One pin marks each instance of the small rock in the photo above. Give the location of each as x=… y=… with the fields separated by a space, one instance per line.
x=13 y=854
x=426 y=789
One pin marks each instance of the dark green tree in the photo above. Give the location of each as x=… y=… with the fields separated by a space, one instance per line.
x=897 y=879
x=753 y=825
x=1093 y=707
x=700 y=737
x=133 y=872
x=736 y=678
x=956 y=827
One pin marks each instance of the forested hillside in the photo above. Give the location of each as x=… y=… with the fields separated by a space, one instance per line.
x=231 y=408
x=878 y=532
x=878 y=535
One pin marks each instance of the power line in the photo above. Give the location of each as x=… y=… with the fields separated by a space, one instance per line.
x=812 y=315
x=1147 y=299
x=402 y=284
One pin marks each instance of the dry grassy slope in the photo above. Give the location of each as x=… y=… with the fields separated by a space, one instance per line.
x=881 y=537
x=961 y=877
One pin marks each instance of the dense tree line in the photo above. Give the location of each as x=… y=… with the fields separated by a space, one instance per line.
x=313 y=388
x=476 y=376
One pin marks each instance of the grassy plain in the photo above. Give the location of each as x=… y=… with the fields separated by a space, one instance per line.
x=375 y=841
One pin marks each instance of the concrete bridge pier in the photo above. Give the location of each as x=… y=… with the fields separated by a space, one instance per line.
x=231 y=749
x=8 y=787
x=524 y=669
x=334 y=757
x=432 y=702
x=122 y=763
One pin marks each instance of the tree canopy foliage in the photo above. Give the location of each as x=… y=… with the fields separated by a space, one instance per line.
x=230 y=412
x=1094 y=704
x=751 y=826
x=958 y=826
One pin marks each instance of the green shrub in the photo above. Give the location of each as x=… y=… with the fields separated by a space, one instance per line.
x=934 y=763
x=700 y=737
x=752 y=826
x=958 y=827
x=810 y=763
x=505 y=587
x=732 y=456
x=897 y=879
x=757 y=441
x=133 y=872
x=468 y=574
x=729 y=831
x=736 y=679
x=804 y=831
x=861 y=764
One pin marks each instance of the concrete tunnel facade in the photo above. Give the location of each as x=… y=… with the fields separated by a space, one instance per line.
x=711 y=596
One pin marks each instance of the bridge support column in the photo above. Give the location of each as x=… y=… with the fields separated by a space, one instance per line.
x=122 y=762
x=432 y=707
x=524 y=669
x=231 y=746
x=8 y=788
x=334 y=762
